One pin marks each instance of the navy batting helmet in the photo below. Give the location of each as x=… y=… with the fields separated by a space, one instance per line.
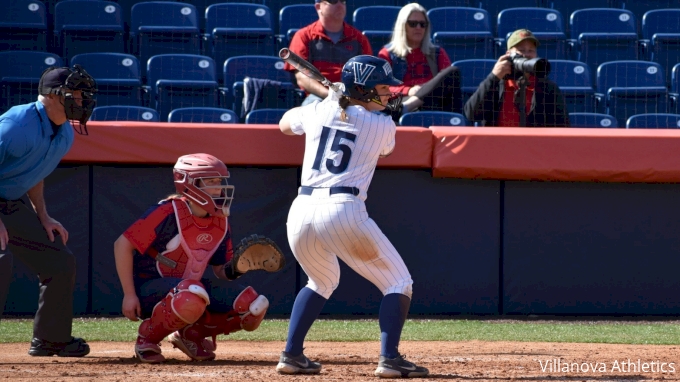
x=361 y=74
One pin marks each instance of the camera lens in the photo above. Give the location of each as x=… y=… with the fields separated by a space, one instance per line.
x=539 y=67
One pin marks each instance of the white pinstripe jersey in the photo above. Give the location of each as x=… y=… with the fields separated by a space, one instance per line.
x=342 y=153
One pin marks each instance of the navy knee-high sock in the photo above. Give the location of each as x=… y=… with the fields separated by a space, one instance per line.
x=393 y=312
x=306 y=309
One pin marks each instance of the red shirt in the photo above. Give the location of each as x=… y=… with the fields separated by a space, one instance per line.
x=418 y=71
x=312 y=44
x=509 y=114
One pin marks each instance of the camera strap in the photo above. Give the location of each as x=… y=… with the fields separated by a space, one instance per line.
x=521 y=101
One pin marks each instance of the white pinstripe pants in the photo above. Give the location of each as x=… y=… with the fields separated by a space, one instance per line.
x=323 y=228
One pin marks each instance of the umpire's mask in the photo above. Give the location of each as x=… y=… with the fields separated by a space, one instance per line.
x=65 y=81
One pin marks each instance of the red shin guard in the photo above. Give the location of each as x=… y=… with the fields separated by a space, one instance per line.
x=182 y=306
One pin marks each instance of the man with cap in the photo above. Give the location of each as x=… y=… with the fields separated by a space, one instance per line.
x=497 y=99
x=327 y=44
x=33 y=139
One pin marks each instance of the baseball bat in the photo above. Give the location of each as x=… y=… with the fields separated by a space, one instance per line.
x=305 y=68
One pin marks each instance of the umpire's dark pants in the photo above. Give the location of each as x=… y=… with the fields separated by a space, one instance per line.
x=54 y=264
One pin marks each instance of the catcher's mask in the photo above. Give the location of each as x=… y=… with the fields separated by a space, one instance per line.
x=64 y=82
x=202 y=178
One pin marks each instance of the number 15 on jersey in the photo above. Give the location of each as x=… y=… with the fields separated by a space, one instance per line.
x=336 y=146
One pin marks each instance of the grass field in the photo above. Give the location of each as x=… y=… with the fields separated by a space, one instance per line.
x=615 y=332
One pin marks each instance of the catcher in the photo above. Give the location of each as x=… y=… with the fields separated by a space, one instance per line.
x=161 y=258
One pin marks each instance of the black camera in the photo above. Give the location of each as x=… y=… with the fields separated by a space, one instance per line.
x=539 y=67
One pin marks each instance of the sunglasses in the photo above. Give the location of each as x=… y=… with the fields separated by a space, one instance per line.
x=413 y=24
x=333 y=2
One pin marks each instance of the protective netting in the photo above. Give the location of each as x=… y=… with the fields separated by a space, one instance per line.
x=610 y=58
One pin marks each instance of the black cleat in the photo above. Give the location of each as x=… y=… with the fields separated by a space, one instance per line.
x=399 y=367
x=77 y=347
x=297 y=365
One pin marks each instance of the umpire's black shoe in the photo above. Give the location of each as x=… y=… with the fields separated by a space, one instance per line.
x=297 y=365
x=77 y=347
x=399 y=367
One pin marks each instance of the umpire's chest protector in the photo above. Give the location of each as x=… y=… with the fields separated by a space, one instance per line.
x=187 y=254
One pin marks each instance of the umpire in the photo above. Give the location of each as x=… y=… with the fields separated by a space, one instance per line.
x=33 y=139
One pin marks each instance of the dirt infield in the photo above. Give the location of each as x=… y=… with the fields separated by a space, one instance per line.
x=347 y=361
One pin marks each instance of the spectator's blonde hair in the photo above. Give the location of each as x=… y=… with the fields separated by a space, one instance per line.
x=398 y=44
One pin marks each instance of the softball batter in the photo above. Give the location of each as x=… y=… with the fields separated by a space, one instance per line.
x=328 y=220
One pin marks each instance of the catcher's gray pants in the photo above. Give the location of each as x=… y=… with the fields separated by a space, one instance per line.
x=54 y=264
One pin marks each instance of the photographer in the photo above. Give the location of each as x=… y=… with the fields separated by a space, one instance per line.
x=498 y=99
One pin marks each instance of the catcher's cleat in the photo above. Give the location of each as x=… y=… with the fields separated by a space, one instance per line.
x=256 y=252
x=399 y=367
x=202 y=350
x=297 y=365
x=77 y=347
x=148 y=352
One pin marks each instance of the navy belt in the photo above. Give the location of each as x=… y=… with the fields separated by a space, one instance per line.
x=306 y=190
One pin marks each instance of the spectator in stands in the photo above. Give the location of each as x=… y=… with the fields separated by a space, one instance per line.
x=327 y=44
x=496 y=101
x=33 y=139
x=430 y=82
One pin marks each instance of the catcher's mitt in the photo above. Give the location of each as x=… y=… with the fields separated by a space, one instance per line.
x=257 y=252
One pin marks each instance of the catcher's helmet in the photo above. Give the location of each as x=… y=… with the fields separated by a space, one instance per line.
x=190 y=173
x=361 y=74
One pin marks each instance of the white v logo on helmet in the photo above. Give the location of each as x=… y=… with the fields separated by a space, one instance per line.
x=362 y=72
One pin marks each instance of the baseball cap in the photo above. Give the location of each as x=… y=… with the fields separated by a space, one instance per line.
x=53 y=78
x=520 y=35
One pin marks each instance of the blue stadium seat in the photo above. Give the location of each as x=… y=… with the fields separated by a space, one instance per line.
x=575 y=82
x=593 y=120
x=433 y=118
x=604 y=34
x=160 y=27
x=20 y=73
x=202 y=5
x=118 y=77
x=124 y=113
x=464 y=33
x=181 y=80
x=376 y=23
x=265 y=116
x=546 y=24
x=567 y=7
x=86 y=26
x=203 y=115
x=237 y=68
x=674 y=94
x=238 y=29
x=429 y=4
x=631 y=87
x=23 y=26
x=352 y=6
x=640 y=7
x=661 y=34
x=494 y=8
x=654 y=121
x=472 y=73
x=293 y=17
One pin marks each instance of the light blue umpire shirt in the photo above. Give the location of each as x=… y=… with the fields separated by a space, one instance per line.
x=28 y=150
